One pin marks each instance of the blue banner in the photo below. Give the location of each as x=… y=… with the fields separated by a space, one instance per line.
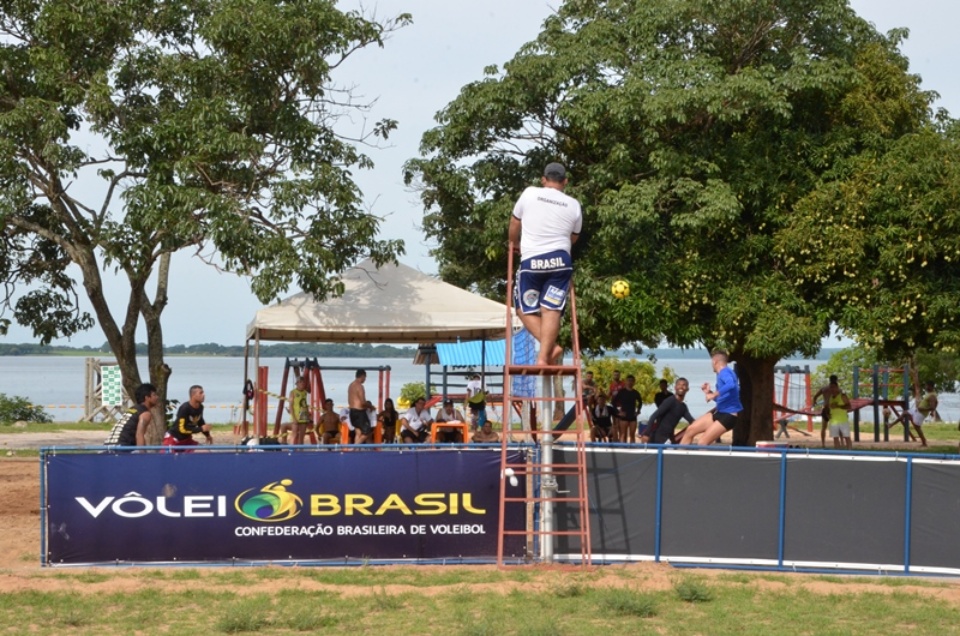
x=278 y=506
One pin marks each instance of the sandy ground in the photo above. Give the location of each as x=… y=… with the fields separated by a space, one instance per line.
x=19 y=441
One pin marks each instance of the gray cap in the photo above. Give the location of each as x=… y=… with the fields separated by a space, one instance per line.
x=555 y=172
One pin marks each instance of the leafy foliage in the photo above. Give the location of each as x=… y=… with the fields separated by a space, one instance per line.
x=694 y=133
x=645 y=373
x=413 y=391
x=134 y=129
x=19 y=409
x=892 y=233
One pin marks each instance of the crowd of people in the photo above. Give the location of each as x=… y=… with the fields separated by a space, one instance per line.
x=613 y=414
x=544 y=227
x=359 y=423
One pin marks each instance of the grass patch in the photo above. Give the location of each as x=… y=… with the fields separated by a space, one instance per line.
x=627 y=602
x=307 y=617
x=530 y=601
x=51 y=427
x=570 y=590
x=244 y=615
x=692 y=590
x=85 y=577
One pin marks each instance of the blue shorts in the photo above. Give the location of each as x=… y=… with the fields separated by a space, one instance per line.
x=543 y=281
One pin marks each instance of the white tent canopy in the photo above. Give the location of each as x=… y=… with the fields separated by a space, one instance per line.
x=395 y=304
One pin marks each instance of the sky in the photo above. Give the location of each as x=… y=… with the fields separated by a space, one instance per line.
x=422 y=68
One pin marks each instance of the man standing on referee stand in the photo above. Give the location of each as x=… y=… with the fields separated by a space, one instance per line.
x=545 y=224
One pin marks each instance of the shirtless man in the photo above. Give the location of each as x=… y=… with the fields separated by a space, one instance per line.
x=486 y=434
x=328 y=428
x=357 y=401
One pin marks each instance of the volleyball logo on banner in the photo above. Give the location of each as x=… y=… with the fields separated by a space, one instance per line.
x=112 y=386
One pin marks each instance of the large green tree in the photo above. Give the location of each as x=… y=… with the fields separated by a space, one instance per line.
x=134 y=129
x=890 y=234
x=691 y=130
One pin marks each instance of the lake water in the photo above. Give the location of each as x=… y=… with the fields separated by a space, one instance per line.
x=57 y=382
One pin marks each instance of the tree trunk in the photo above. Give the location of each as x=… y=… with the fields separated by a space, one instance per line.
x=756 y=392
x=122 y=342
x=159 y=371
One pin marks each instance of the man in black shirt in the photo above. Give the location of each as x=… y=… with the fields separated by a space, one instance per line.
x=189 y=421
x=662 y=394
x=664 y=421
x=134 y=430
x=627 y=402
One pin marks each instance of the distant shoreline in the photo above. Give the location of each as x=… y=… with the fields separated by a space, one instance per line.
x=313 y=350
x=280 y=350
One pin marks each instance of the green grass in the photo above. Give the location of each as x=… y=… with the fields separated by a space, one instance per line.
x=483 y=601
x=36 y=427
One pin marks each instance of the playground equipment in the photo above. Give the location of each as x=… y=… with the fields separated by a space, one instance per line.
x=881 y=384
x=791 y=398
x=312 y=370
x=872 y=386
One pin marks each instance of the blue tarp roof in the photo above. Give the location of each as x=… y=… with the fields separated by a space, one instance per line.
x=468 y=354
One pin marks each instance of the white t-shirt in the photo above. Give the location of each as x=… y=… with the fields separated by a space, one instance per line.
x=549 y=217
x=418 y=420
x=453 y=416
x=473 y=387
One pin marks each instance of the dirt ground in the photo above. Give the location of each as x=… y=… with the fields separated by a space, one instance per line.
x=20 y=567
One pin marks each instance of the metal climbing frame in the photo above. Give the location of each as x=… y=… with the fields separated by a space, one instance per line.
x=539 y=469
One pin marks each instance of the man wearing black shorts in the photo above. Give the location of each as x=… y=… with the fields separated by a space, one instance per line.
x=357 y=401
x=726 y=396
x=627 y=404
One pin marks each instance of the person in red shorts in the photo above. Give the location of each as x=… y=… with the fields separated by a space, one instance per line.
x=189 y=421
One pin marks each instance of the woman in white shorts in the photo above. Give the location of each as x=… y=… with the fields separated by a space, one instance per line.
x=839 y=421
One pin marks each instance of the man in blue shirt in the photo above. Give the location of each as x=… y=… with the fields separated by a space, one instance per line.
x=727 y=399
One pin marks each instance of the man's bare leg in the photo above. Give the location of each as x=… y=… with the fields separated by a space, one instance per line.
x=712 y=434
x=698 y=426
x=540 y=324
x=919 y=429
x=549 y=330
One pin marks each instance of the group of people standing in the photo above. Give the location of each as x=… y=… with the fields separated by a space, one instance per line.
x=362 y=419
x=614 y=419
x=836 y=408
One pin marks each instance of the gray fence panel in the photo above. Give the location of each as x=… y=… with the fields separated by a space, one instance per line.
x=622 y=497
x=845 y=511
x=720 y=507
x=935 y=515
